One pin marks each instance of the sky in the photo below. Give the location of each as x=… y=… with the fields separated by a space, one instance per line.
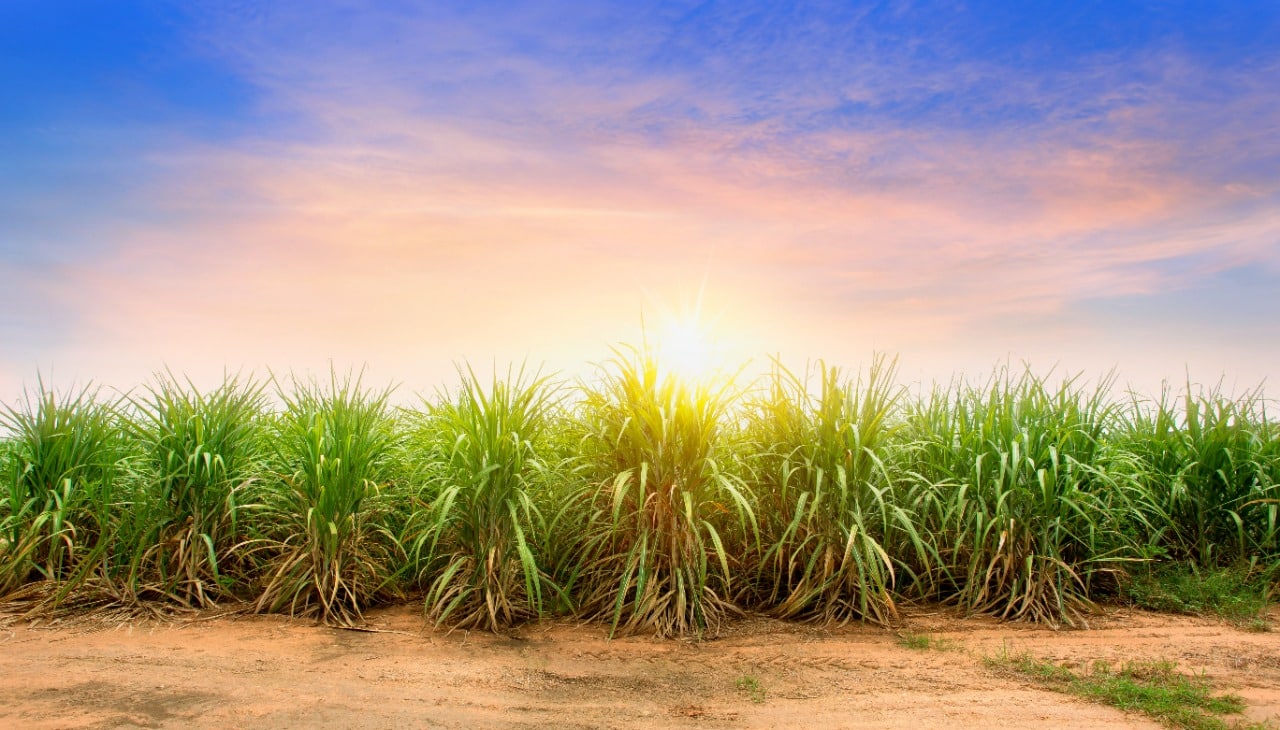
x=403 y=186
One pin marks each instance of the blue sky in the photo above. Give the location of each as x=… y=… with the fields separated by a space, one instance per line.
x=239 y=184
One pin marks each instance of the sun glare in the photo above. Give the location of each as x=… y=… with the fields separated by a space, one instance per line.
x=685 y=348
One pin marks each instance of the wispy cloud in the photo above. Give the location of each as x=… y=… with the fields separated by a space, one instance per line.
x=450 y=180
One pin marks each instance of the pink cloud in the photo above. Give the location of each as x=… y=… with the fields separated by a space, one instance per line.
x=542 y=221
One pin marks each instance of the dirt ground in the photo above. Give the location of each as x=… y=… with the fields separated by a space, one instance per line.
x=268 y=671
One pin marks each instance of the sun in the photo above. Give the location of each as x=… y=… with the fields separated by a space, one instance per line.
x=685 y=348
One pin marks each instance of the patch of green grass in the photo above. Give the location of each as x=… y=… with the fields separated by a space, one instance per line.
x=750 y=686
x=924 y=642
x=1233 y=594
x=1156 y=689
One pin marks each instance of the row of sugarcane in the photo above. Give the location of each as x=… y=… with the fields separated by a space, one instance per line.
x=642 y=500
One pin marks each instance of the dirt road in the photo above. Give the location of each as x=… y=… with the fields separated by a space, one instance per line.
x=256 y=672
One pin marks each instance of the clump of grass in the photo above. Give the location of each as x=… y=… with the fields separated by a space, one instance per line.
x=64 y=457
x=202 y=451
x=924 y=642
x=826 y=505
x=654 y=556
x=329 y=553
x=484 y=466
x=1237 y=595
x=1011 y=491
x=1155 y=689
x=750 y=686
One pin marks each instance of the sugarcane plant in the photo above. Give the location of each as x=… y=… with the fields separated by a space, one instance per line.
x=202 y=451
x=64 y=457
x=661 y=495
x=327 y=548
x=485 y=465
x=1020 y=509
x=828 y=517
